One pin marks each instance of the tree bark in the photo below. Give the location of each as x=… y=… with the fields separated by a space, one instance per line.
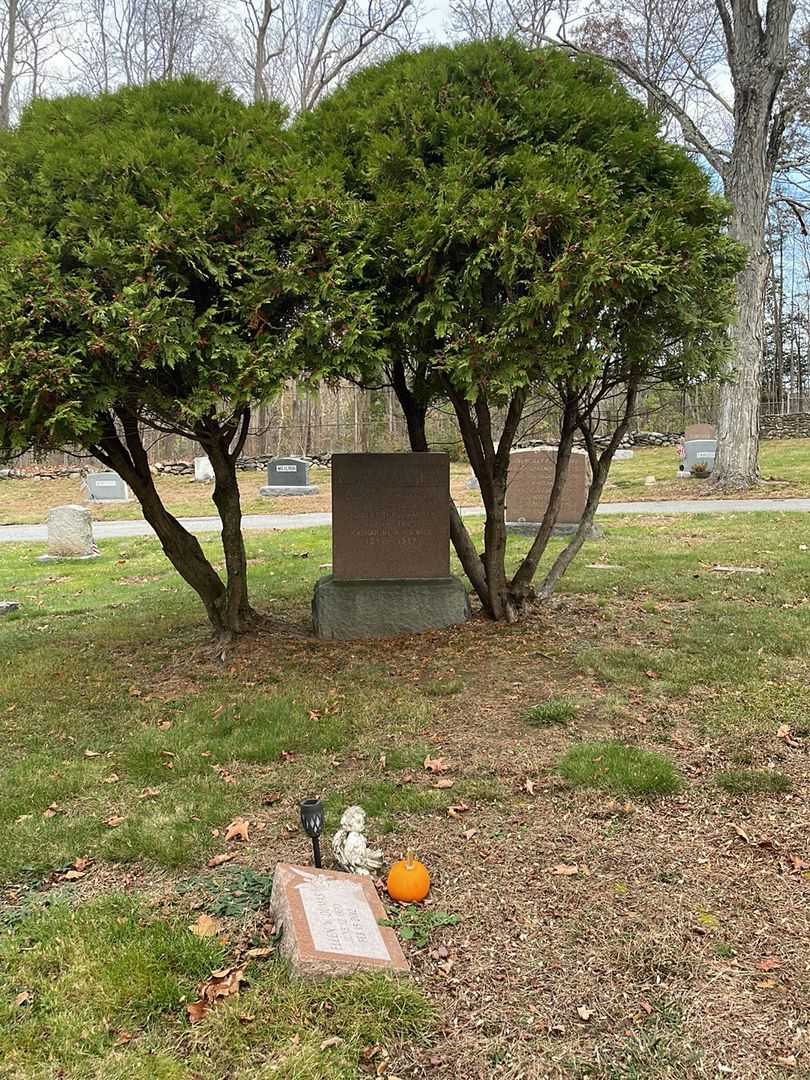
x=237 y=612
x=748 y=185
x=180 y=546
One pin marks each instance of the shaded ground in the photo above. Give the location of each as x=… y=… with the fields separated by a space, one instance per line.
x=600 y=934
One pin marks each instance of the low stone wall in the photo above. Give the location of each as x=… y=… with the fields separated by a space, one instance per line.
x=789 y=426
x=162 y=468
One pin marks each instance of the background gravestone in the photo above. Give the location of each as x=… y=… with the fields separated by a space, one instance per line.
x=106 y=487
x=699 y=431
x=528 y=490
x=288 y=476
x=70 y=534
x=390 y=549
x=203 y=470
x=698 y=452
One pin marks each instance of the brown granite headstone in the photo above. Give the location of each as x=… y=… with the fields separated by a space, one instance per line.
x=699 y=431
x=531 y=476
x=390 y=516
x=329 y=923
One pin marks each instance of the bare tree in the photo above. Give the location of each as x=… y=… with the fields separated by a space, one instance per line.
x=135 y=41
x=483 y=20
x=298 y=49
x=726 y=88
x=28 y=44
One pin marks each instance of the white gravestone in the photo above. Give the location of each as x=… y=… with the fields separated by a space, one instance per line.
x=330 y=923
x=70 y=534
x=203 y=470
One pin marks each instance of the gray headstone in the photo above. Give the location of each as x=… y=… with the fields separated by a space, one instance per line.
x=699 y=452
x=623 y=455
x=288 y=472
x=288 y=476
x=70 y=533
x=106 y=487
x=203 y=470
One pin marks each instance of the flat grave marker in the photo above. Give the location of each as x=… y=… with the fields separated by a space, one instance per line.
x=330 y=923
x=288 y=476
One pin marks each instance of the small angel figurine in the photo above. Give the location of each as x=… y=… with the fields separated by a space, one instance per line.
x=351 y=847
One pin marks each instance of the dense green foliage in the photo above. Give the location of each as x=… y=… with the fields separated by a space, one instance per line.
x=524 y=220
x=161 y=248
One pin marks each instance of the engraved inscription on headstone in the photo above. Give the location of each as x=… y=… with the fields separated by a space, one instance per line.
x=390 y=516
x=531 y=476
x=330 y=923
x=340 y=920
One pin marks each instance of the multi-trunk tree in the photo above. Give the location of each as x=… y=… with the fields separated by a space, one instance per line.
x=525 y=233
x=167 y=263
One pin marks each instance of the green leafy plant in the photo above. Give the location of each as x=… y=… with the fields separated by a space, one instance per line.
x=417 y=924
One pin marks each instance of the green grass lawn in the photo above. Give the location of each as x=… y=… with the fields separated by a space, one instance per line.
x=129 y=747
x=784 y=466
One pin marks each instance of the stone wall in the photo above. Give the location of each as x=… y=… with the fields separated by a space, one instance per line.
x=789 y=426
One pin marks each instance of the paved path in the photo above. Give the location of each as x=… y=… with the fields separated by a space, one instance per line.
x=106 y=530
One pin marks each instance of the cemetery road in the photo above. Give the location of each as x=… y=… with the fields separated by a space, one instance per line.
x=107 y=530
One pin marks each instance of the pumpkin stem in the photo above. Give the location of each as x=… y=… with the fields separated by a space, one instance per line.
x=409 y=858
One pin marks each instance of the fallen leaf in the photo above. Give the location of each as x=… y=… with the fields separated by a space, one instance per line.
x=52 y=811
x=73 y=875
x=135 y=692
x=652 y=674
x=114 y=822
x=271 y=799
x=444 y=782
x=92 y=753
x=218 y=860
x=563 y=870
x=113 y=778
x=197 y=1011
x=583 y=1012
x=469 y=833
x=743 y=835
x=528 y=785
x=259 y=953
x=223 y=774
x=23 y=998
x=205 y=926
x=224 y=982
x=149 y=793
x=123 y=1038
x=457 y=808
x=237 y=830
x=436 y=765
x=769 y=963
x=333 y=1040
x=767 y=984
x=165 y=725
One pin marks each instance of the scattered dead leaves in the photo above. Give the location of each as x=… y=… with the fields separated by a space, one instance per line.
x=218 y=860
x=223 y=983
x=436 y=765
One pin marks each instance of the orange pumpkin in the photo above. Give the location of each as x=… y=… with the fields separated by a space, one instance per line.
x=408 y=880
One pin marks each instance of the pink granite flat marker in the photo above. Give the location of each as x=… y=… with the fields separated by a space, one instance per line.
x=330 y=923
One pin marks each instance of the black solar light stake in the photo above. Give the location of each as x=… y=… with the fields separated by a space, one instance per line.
x=312 y=824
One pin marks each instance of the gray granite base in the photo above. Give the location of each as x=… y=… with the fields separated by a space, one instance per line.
x=346 y=610
x=531 y=528
x=276 y=490
x=68 y=558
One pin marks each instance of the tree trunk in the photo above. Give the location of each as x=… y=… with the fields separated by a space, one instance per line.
x=238 y=614
x=738 y=421
x=9 y=59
